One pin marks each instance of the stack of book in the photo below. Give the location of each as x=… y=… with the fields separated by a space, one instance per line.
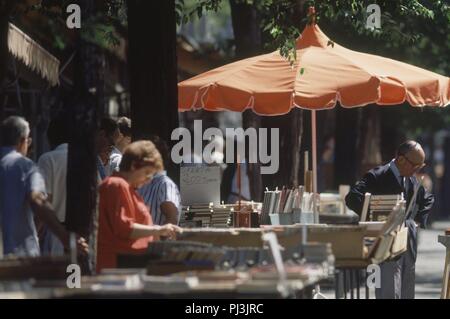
x=114 y=282
x=220 y=217
x=169 y=284
x=185 y=250
x=285 y=201
x=169 y=257
x=206 y=216
x=196 y=216
x=382 y=205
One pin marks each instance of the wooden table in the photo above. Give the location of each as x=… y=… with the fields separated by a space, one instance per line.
x=266 y=289
x=445 y=294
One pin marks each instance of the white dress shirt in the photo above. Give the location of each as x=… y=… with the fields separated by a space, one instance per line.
x=53 y=166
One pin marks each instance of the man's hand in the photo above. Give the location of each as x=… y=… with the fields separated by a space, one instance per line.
x=82 y=246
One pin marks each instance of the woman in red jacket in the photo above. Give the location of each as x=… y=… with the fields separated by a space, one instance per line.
x=125 y=223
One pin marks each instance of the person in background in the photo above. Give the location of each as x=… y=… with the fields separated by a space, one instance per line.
x=53 y=166
x=23 y=194
x=251 y=187
x=125 y=223
x=396 y=177
x=122 y=141
x=106 y=137
x=162 y=194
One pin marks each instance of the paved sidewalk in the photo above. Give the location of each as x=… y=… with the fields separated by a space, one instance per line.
x=430 y=262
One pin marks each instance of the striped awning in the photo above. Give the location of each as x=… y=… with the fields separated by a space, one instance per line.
x=33 y=55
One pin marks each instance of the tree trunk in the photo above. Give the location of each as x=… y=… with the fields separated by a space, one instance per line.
x=368 y=140
x=247 y=38
x=246 y=29
x=88 y=103
x=291 y=132
x=153 y=70
x=357 y=143
x=391 y=136
x=346 y=162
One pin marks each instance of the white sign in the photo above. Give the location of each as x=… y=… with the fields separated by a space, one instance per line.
x=200 y=185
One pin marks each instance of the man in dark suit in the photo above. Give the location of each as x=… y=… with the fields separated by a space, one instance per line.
x=396 y=177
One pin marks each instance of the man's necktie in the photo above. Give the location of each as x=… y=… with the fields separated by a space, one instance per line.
x=403 y=185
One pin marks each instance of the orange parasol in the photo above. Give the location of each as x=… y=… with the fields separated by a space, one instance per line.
x=323 y=74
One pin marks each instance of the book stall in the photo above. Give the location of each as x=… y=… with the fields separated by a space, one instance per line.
x=283 y=247
x=221 y=253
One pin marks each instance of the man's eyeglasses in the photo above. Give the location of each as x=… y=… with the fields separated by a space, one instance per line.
x=415 y=166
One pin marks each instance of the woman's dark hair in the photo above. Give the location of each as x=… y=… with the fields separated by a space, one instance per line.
x=124 y=124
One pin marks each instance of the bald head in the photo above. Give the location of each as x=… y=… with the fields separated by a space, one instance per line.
x=410 y=158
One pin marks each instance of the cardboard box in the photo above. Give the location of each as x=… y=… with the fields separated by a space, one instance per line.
x=347 y=242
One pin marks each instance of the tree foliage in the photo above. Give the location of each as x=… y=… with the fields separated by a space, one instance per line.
x=101 y=29
x=281 y=20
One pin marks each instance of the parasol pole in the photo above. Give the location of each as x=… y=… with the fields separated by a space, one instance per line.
x=239 y=182
x=312 y=21
x=314 y=164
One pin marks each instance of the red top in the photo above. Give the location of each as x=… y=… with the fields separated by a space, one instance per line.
x=119 y=208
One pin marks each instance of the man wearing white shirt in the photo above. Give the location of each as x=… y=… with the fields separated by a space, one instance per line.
x=122 y=140
x=106 y=138
x=53 y=167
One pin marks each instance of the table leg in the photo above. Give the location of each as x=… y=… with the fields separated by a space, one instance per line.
x=351 y=283
x=445 y=293
x=337 y=284
x=345 y=283
x=365 y=284
x=358 y=283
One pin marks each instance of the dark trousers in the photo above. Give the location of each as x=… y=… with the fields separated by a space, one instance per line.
x=398 y=278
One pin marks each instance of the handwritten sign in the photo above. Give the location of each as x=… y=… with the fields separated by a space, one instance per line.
x=200 y=185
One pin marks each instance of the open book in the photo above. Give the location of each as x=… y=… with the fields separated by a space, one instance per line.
x=381 y=249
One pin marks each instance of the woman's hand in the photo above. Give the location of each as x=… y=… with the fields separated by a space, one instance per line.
x=169 y=230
